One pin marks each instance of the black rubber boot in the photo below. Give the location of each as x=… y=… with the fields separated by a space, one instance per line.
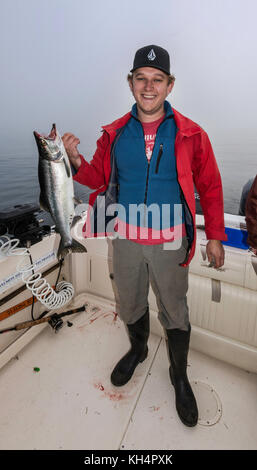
x=178 y=346
x=138 y=335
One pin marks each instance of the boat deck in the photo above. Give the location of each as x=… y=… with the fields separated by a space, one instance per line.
x=70 y=402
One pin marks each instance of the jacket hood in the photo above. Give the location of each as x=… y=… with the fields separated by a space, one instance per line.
x=110 y=128
x=167 y=109
x=185 y=126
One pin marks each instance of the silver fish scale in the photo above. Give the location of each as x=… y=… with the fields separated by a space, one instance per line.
x=58 y=193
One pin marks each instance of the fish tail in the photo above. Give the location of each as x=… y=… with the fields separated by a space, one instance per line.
x=63 y=250
x=75 y=247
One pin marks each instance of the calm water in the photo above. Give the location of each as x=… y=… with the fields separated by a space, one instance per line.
x=19 y=180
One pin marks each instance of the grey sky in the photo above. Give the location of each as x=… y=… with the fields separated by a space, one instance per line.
x=66 y=61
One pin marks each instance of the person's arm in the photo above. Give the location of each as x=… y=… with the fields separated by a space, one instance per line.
x=251 y=216
x=207 y=180
x=245 y=192
x=90 y=174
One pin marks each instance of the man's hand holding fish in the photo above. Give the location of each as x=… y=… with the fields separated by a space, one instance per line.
x=70 y=142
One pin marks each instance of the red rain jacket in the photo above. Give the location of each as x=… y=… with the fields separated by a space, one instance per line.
x=196 y=164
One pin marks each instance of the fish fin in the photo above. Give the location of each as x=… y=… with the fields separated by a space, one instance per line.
x=77 y=247
x=76 y=200
x=75 y=220
x=67 y=168
x=43 y=203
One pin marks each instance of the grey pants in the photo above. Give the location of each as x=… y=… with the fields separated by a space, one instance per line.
x=134 y=265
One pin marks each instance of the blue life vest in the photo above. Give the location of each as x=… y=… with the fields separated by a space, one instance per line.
x=148 y=182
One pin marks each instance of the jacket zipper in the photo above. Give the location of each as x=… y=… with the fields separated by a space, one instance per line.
x=147 y=176
x=148 y=166
x=159 y=158
x=147 y=181
x=146 y=189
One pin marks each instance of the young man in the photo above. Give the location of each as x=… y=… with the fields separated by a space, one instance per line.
x=151 y=158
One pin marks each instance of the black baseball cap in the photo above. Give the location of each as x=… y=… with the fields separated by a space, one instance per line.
x=152 y=56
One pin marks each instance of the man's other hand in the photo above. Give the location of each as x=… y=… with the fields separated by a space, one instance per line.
x=215 y=253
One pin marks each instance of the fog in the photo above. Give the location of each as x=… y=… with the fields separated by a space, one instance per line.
x=66 y=61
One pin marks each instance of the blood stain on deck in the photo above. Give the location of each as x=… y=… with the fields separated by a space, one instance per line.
x=114 y=314
x=112 y=395
x=154 y=408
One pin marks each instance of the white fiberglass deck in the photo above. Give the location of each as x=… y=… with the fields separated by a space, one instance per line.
x=71 y=404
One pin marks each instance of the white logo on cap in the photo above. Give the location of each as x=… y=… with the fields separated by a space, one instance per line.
x=151 y=55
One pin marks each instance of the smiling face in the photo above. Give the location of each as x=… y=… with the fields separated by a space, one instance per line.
x=150 y=87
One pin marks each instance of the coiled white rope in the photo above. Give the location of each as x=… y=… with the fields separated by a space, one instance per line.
x=8 y=248
x=50 y=298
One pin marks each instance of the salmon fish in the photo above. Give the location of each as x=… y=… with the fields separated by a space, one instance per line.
x=56 y=186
